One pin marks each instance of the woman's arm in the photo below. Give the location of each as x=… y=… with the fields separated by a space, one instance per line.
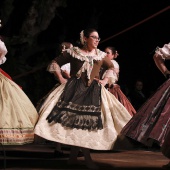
x=160 y=63
x=108 y=77
x=55 y=66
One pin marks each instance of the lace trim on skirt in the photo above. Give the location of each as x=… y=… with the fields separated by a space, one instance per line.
x=79 y=106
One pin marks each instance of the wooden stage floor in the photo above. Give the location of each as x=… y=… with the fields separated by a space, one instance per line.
x=42 y=157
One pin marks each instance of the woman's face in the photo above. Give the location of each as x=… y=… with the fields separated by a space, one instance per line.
x=109 y=54
x=93 y=40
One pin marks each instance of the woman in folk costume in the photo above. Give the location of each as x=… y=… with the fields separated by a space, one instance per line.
x=114 y=88
x=65 y=71
x=18 y=116
x=81 y=112
x=151 y=124
x=3 y=52
x=161 y=55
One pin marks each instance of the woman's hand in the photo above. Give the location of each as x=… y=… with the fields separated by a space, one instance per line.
x=61 y=79
x=66 y=74
x=102 y=82
x=167 y=74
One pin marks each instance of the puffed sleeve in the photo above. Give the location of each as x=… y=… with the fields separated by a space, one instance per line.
x=164 y=52
x=56 y=64
x=66 y=67
x=109 y=73
x=3 y=52
x=114 y=77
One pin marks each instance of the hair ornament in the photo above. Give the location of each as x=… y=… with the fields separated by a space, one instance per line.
x=82 y=37
x=63 y=48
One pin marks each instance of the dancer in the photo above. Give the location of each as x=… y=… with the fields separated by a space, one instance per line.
x=81 y=112
x=114 y=88
x=3 y=52
x=65 y=71
x=151 y=122
x=18 y=116
x=160 y=56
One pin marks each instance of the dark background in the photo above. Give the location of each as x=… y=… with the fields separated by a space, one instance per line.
x=33 y=29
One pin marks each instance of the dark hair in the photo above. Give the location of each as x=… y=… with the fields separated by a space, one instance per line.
x=113 y=49
x=66 y=44
x=88 y=31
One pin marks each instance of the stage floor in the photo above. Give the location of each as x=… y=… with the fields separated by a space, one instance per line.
x=42 y=157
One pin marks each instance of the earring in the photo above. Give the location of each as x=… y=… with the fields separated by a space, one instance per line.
x=85 y=45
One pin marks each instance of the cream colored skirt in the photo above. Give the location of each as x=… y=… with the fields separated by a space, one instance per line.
x=18 y=116
x=114 y=118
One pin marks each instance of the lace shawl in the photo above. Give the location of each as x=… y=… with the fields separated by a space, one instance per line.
x=87 y=65
x=88 y=60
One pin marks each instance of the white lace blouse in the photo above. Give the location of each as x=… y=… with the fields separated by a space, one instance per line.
x=164 y=52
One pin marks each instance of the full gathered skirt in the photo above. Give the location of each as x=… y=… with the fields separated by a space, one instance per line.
x=113 y=117
x=5 y=74
x=18 y=116
x=152 y=121
x=117 y=92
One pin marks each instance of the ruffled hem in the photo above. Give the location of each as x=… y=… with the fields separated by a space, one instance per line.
x=73 y=120
x=77 y=109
